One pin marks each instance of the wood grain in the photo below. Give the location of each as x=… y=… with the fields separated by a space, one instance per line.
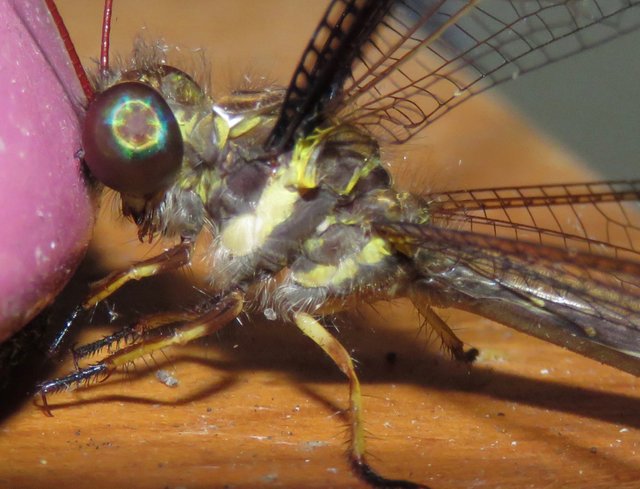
x=260 y=406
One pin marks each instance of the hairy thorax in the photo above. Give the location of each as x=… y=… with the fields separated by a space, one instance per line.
x=293 y=229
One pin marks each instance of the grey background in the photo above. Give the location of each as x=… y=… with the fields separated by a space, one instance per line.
x=591 y=105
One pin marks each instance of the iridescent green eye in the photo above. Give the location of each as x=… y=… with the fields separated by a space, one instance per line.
x=132 y=141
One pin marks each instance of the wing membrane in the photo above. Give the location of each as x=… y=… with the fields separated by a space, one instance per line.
x=411 y=61
x=561 y=262
x=585 y=302
x=598 y=218
x=427 y=57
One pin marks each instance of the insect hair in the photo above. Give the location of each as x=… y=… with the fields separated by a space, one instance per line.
x=149 y=55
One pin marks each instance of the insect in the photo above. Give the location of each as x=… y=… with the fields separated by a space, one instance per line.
x=305 y=220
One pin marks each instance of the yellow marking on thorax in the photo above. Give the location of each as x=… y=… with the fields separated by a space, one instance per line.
x=246 y=125
x=246 y=233
x=304 y=175
x=376 y=250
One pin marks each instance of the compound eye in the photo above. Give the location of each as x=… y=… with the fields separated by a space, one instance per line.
x=132 y=141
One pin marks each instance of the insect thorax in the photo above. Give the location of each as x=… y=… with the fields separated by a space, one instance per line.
x=292 y=228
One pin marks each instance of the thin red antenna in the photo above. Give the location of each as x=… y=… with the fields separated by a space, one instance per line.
x=106 y=37
x=71 y=50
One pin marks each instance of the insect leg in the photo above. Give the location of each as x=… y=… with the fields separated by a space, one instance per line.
x=449 y=339
x=218 y=316
x=332 y=347
x=129 y=335
x=172 y=259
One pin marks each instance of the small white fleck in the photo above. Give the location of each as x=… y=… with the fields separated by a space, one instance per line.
x=270 y=477
x=260 y=438
x=312 y=445
x=270 y=314
x=624 y=430
x=226 y=116
x=544 y=371
x=166 y=378
x=43 y=461
x=514 y=443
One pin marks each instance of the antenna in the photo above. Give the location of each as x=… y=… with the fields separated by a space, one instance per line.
x=106 y=38
x=73 y=54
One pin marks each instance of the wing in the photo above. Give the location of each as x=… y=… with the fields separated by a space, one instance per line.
x=326 y=63
x=599 y=218
x=408 y=62
x=560 y=262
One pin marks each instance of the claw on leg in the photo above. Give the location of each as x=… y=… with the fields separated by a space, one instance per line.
x=151 y=340
x=449 y=339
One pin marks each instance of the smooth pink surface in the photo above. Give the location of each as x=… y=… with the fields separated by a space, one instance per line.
x=45 y=210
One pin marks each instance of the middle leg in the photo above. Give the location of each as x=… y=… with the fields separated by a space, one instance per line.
x=332 y=347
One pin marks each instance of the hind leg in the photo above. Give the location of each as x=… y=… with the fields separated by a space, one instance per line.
x=450 y=341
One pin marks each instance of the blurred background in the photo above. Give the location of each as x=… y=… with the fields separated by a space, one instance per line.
x=590 y=103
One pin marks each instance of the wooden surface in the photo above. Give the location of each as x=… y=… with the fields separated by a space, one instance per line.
x=260 y=406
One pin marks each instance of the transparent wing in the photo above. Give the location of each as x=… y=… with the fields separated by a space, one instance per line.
x=561 y=262
x=427 y=56
x=396 y=66
x=599 y=218
x=586 y=302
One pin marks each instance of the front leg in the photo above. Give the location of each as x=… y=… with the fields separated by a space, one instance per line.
x=147 y=342
x=169 y=260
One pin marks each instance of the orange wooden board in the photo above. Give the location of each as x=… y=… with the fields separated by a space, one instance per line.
x=261 y=407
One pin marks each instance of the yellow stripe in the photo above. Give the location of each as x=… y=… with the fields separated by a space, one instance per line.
x=375 y=251
x=248 y=232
